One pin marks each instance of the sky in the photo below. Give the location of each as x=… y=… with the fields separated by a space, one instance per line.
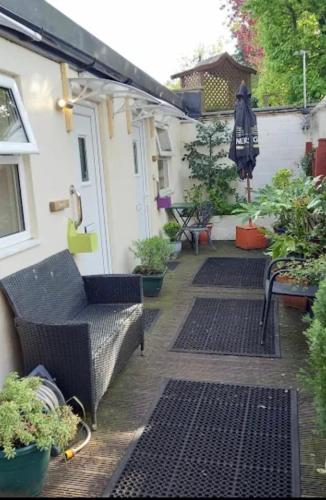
x=152 y=35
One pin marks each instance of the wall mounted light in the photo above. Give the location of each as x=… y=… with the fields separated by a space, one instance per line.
x=64 y=104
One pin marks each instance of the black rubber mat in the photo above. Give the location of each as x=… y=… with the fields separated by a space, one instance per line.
x=228 y=326
x=231 y=272
x=150 y=316
x=172 y=264
x=212 y=440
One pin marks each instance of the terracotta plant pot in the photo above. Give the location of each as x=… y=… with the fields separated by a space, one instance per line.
x=299 y=303
x=249 y=237
x=203 y=236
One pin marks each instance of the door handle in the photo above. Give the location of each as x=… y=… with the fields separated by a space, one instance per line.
x=74 y=192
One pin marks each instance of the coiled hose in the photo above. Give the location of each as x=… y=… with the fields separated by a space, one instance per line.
x=51 y=396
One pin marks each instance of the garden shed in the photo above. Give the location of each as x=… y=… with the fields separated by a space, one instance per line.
x=217 y=80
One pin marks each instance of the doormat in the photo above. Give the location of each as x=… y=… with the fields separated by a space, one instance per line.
x=213 y=440
x=228 y=326
x=150 y=317
x=231 y=272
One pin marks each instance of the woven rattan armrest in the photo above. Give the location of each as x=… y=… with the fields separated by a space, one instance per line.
x=64 y=349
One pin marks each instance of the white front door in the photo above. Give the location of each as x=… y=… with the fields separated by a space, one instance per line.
x=142 y=194
x=89 y=183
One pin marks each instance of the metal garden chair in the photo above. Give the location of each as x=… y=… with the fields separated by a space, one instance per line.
x=204 y=214
x=273 y=287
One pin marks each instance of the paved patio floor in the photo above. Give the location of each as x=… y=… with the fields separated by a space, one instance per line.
x=123 y=409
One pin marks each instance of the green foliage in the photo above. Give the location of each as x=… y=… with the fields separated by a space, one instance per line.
x=315 y=375
x=286 y=244
x=207 y=163
x=299 y=206
x=284 y=27
x=306 y=163
x=310 y=272
x=171 y=229
x=282 y=178
x=24 y=421
x=153 y=254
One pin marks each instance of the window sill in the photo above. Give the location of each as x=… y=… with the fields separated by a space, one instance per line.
x=18 y=247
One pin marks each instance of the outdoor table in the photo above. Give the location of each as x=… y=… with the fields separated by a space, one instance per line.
x=182 y=213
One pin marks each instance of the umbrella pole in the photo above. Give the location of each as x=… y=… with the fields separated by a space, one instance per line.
x=249 y=197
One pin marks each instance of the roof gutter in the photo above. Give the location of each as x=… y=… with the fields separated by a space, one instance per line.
x=64 y=40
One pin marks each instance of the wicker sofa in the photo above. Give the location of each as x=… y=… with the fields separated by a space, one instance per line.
x=83 y=329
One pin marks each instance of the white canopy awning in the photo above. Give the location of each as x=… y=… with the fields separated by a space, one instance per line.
x=140 y=103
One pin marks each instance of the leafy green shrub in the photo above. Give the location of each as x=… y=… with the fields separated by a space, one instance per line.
x=24 y=421
x=299 y=206
x=171 y=229
x=315 y=375
x=207 y=157
x=282 y=178
x=310 y=272
x=153 y=254
x=306 y=162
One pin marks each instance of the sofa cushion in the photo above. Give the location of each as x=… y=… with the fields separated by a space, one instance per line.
x=107 y=321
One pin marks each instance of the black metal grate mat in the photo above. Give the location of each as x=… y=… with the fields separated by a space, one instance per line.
x=228 y=326
x=150 y=316
x=231 y=272
x=214 y=440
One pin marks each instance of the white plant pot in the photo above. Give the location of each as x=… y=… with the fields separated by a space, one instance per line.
x=176 y=247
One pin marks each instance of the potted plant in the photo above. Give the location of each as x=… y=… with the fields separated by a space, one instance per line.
x=307 y=273
x=299 y=206
x=27 y=433
x=172 y=229
x=153 y=254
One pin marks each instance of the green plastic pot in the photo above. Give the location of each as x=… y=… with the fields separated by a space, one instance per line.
x=152 y=284
x=23 y=476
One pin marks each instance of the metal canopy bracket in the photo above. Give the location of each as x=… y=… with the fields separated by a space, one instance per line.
x=136 y=104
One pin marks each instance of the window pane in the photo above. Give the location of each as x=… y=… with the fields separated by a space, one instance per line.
x=11 y=210
x=164 y=139
x=83 y=159
x=163 y=173
x=136 y=166
x=11 y=127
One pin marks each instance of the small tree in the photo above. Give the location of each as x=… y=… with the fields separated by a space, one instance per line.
x=207 y=161
x=315 y=376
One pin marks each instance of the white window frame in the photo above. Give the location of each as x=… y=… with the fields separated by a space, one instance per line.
x=18 y=147
x=161 y=151
x=167 y=190
x=22 y=236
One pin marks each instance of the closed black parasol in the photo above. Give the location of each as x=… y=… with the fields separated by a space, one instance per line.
x=244 y=145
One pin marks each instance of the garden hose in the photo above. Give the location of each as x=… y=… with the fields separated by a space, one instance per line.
x=69 y=454
x=51 y=396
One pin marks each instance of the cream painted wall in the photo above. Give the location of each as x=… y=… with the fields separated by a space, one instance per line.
x=48 y=174
x=318 y=123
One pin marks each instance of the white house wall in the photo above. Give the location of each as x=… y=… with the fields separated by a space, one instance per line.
x=318 y=123
x=50 y=173
x=281 y=141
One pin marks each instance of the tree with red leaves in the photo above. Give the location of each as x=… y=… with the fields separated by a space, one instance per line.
x=243 y=28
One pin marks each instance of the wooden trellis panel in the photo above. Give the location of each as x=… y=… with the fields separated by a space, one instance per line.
x=216 y=93
x=219 y=84
x=220 y=87
x=192 y=80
